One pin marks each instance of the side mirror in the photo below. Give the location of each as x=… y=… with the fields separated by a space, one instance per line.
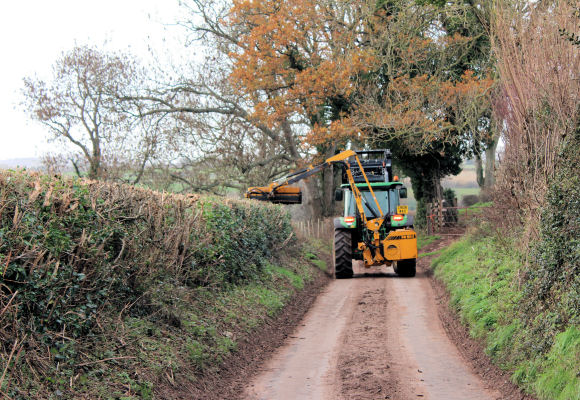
x=403 y=193
x=338 y=195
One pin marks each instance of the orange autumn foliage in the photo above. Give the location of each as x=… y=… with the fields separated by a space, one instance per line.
x=297 y=57
x=316 y=61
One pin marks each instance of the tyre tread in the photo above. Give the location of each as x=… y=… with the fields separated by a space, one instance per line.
x=342 y=254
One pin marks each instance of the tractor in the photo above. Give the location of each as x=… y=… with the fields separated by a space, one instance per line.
x=374 y=228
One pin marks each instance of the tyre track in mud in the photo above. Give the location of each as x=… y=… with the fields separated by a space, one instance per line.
x=376 y=336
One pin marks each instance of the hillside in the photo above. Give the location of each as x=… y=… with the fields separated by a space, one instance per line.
x=29 y=162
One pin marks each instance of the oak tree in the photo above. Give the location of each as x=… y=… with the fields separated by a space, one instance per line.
x=300 y=59
x=429 y=97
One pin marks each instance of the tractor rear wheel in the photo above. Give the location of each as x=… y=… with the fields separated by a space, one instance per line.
x=406 y=268
x=342 y=254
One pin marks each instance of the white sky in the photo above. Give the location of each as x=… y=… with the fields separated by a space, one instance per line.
x=34 y=33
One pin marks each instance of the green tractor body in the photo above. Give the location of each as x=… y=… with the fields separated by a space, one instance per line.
x=388 y=195
x=396 y=242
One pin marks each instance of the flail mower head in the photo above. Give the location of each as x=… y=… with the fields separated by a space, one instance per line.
x=282 y=195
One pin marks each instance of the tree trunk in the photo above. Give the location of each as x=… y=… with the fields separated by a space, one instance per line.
x=94 y=168
x=327 y=198
x=289 y=139
x=438 y=197
x=479 y=171
x=95 y=159
x=311 y=205
x=490 y=163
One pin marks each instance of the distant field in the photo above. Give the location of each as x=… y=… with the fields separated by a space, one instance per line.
x=465 y=179
x=465 y=191
x=463 y=184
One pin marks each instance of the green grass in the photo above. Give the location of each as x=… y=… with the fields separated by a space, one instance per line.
x=559 y=377
x=424 y=240
x=482 y=277
x=320 y=264
x=480 y=285
x=477 y=208
x=314 y=246
x=460 y=192
x=295 y=280
x=431 y=253
x=212 y=325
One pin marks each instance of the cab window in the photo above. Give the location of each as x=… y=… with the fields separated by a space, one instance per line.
x=387 y=199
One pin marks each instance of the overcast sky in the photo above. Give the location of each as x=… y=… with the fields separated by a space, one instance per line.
x=34 y=33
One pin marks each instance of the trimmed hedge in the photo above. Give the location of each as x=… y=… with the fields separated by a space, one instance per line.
x=75 y=253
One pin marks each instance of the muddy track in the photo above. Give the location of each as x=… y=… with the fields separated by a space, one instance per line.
x=379 y=336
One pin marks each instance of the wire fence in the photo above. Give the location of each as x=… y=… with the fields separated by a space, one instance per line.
x=320 y=228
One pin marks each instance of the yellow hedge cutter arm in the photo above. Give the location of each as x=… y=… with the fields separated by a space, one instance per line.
x=281 y=192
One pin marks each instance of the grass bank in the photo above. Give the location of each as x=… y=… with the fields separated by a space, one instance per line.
x=113 y=292
x=490 y=287
x=424 y=240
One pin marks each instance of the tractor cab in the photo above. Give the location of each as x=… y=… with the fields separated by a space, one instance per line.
x=388 y=195
x=388 y=191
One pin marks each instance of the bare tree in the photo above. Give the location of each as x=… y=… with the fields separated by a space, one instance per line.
x=216 y=141
x=80 y=108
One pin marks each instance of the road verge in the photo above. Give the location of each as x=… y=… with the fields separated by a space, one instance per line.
x=480 y=277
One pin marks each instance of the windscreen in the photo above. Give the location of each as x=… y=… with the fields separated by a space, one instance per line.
x=388 y=200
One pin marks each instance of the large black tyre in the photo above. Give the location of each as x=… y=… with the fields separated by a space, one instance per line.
x=342 y=254
x=406 y=268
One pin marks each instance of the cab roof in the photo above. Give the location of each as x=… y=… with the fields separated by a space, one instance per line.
x=374 y=185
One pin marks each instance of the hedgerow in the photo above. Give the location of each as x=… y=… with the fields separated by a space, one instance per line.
x=86 y=264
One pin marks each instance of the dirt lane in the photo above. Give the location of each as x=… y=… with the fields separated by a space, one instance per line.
x=444 y=374
x=301 y=369
x=376 y=336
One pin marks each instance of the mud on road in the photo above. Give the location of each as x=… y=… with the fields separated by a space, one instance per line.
x=378 y=336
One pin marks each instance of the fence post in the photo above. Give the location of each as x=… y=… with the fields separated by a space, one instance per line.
x=429 y=222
